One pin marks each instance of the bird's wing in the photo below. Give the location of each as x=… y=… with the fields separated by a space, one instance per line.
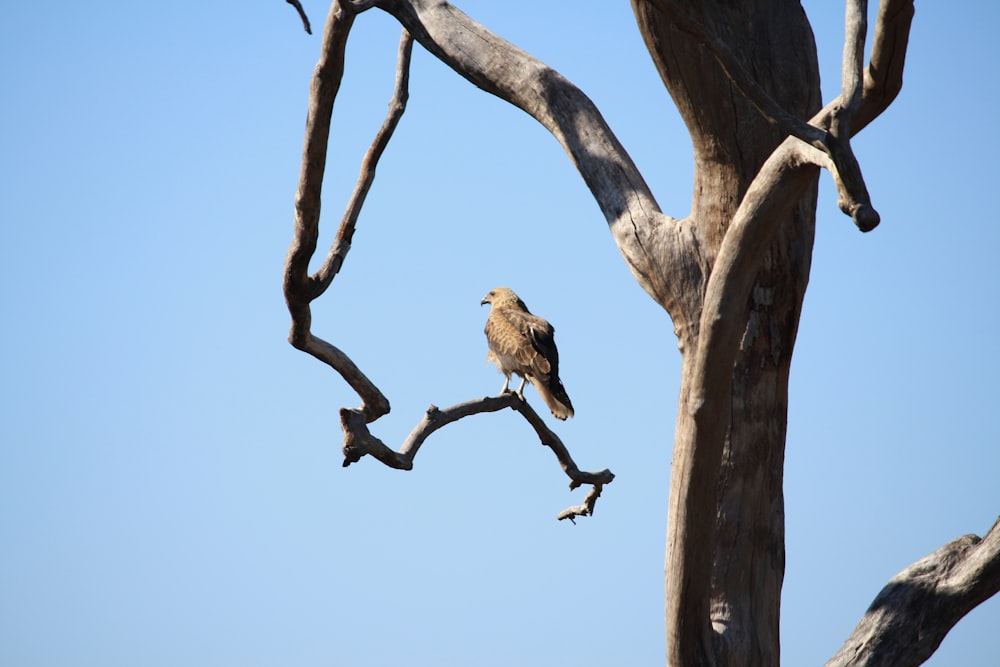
x=534 y=342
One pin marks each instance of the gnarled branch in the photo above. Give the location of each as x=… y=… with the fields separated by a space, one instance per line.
x=910 y=617
x=502 y=69
x=358 y=441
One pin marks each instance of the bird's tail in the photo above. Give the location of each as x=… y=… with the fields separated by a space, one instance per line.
x=554 y=395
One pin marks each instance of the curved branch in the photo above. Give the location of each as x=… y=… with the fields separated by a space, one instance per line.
x=374 y=403
x=358 y=441
x=910 y=617
x=302 y=15
x=639 y=227
x=884 y=76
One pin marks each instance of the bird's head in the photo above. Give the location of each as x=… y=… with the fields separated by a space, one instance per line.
x=502 y=296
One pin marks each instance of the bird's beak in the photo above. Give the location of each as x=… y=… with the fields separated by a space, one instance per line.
x=485 y=301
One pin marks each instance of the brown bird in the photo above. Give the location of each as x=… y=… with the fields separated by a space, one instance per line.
x=524 y=344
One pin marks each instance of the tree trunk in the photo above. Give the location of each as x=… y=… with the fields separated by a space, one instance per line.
x=731 y=140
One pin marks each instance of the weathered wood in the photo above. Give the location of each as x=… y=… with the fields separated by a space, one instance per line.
x=753 y=216
x=910 y=616
x=358 y=442
x=651 y=243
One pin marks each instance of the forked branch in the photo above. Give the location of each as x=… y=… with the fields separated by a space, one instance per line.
x=298 y=284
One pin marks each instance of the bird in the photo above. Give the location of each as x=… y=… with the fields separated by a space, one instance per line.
x=524 y=344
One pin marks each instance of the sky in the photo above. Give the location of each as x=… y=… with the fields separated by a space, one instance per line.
x=171 y=489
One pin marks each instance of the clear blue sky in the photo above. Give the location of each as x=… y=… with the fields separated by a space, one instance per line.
x=171 y=490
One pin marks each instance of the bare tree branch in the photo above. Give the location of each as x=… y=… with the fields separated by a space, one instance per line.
x=884 y=76
x=358 y=441
x=911 y=616
x=302 y=14
x=852 y=73
x=853 y=198
x=641 y=231
x=585 y=509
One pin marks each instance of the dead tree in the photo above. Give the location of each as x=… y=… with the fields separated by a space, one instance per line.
x=731 y=275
